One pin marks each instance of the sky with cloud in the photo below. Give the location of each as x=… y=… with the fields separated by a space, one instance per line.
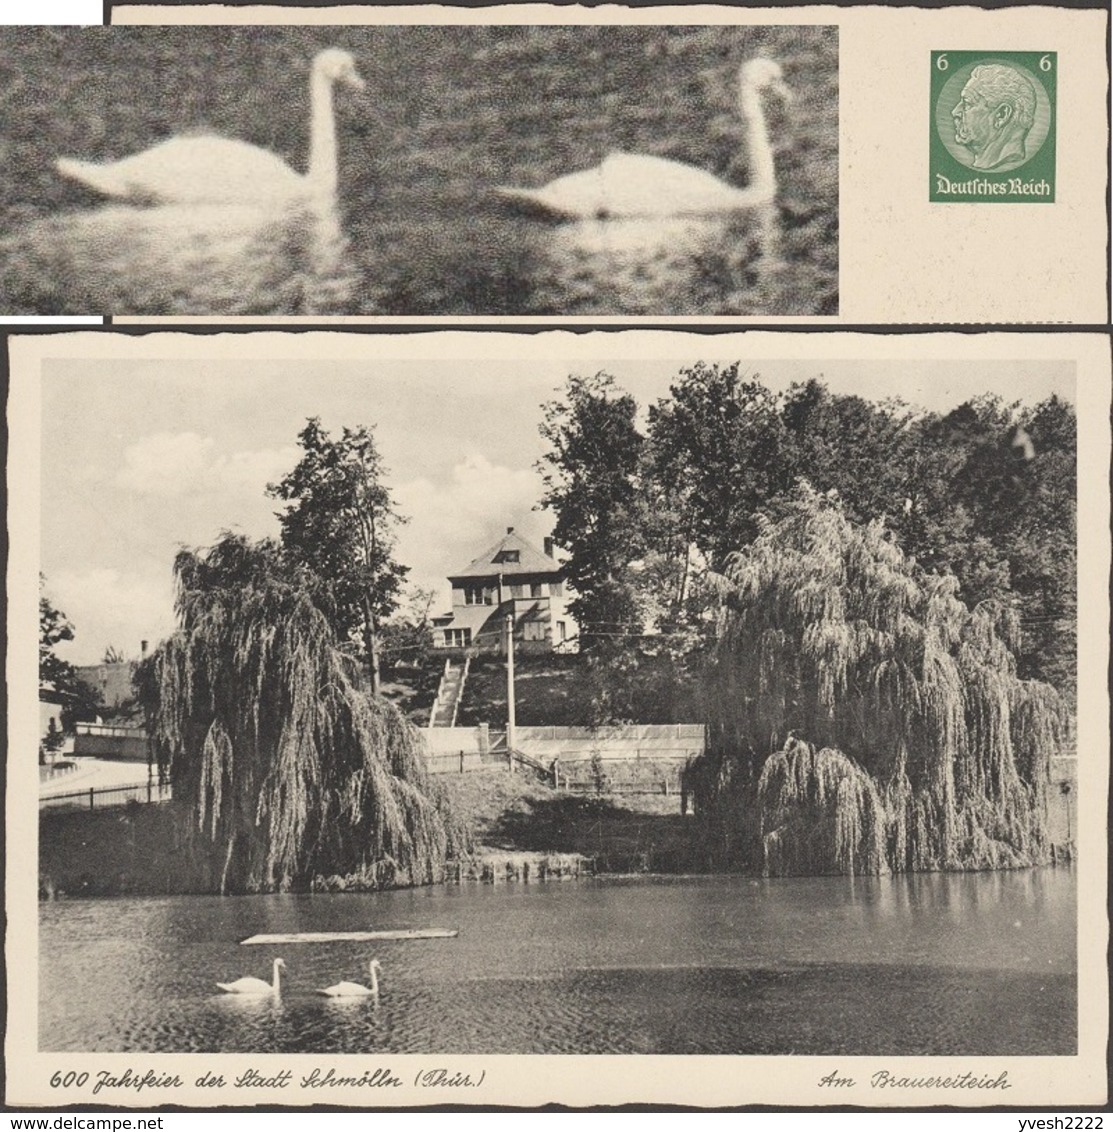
x=142 y=457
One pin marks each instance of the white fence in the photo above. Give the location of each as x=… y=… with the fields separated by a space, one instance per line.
x=460 y=749
x=451 y=750
x=633 y=741
x=110 y=741
x=92 y=799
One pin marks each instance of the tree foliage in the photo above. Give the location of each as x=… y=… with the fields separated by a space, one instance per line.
x=288 y=772
x=985 y=492
x=907 y=739
x=83 y=701
x=717 y=456
x=54 y=628
x=407 y=637
x=991 y=499
x=341 y=524
x=590 y=477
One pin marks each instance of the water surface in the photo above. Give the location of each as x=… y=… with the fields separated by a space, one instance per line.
x=977 y=964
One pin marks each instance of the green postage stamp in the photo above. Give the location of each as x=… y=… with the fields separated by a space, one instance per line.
x=992 y=126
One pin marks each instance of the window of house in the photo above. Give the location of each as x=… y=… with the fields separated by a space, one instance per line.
x=457 y=638
x=561 y=631
x=556 y=588
x=537 y=589
x=517 y=590
x=508 y=556
x=533 y=631
x=477 y=595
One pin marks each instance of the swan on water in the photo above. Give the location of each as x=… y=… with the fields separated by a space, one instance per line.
x=251 y=985
x=636 y=185
x=356 y=990
x=214 y=170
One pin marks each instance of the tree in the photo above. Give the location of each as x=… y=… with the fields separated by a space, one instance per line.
x=863 y=718
x=82 y=700
x=991 y=498
x=287 y=770
x=591 y=475
x=54 y=628
x=858 y=448
x=341 y=523
x=719 y=453
x=984 y=492
x=1041 y=530
x=407 y=637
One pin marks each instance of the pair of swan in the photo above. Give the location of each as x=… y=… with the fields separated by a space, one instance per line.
x=249 y=985
x=208 y=170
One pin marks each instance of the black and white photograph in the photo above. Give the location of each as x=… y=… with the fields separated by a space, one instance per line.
x=579 y=695
x=545 y=170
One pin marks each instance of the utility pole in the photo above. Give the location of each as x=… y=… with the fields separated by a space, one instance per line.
x=510 y=689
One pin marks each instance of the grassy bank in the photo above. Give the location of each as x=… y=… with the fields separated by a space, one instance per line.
x=568 y=691
x=522 y=829
x=124 y=851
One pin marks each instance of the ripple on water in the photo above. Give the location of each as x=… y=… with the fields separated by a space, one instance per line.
x=875 y=1011
x=963 y=965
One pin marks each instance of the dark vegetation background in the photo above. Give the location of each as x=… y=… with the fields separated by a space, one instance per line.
x=448 y=114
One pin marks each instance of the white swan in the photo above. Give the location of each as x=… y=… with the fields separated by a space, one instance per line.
x=356 y=990
x=634 y=185
x=251 y=985
x=215 y=170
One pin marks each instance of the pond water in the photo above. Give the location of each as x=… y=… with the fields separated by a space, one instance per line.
x=975 y=964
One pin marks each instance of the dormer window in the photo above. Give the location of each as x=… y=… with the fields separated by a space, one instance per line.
x=508 y=556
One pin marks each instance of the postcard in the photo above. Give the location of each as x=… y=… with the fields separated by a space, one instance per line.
x=547 y=164
x=591 y=718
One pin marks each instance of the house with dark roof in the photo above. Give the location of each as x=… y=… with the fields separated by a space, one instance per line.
x=510 y=579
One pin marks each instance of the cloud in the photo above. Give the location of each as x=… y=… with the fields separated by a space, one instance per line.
x=112 y=607
x=453 y=521
x=175 y=464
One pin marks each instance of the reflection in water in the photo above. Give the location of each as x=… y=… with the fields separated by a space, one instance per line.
x=421 y=259
x=259 y=259
x=660 y=265
x=258 y=1008
x=974 y=964
x=181 y=259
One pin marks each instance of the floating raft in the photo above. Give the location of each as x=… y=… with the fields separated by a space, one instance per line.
x=353 y=937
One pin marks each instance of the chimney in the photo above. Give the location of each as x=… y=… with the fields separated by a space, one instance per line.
x=509 y=530
x=548 y=547
x=142 y=648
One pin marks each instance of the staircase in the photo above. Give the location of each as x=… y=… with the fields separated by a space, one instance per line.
x=451 y=689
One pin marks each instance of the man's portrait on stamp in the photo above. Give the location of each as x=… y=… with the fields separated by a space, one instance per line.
x=992 y=115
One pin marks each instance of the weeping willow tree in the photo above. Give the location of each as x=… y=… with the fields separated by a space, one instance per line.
x=285 y=769
x=862 y=718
